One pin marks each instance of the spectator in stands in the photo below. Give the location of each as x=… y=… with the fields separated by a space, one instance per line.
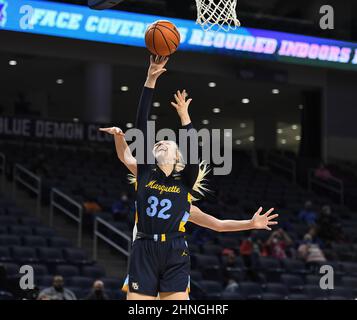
x=308 y=214
x=278 y=244
x=57 y=291
x=250 y=250
x=232 y=285
x=322 y=172
x=311 y=253
x=329 y=228
x=314 y=238
x=120 y=208
x=97 y=292
x=201 y=236
x=231 y=259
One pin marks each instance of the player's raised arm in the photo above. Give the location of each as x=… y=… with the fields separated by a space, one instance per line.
x=156 y=69
x=181 y=104
x=258 y=221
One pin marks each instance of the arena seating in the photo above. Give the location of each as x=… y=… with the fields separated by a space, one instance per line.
x=23 y=240
x=95 y=174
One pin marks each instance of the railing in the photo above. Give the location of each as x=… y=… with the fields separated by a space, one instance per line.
x=28 y=179
x=282 y=163
x=2 y=168
x=331 y=184
x=67 y=201
x=125 y=249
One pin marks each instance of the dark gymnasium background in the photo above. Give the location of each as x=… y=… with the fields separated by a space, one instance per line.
x=66 y=208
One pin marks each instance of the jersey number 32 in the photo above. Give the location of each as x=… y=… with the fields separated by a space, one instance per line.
x=164 y=205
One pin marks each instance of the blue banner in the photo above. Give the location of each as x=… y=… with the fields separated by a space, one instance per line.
x=117 y=27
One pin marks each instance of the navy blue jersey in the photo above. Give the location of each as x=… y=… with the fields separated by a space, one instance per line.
x=162 y=202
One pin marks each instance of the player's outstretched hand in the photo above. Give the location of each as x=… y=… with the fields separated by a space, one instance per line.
x=113 y=131
x=181 y=104
x=157 y=67
x=265 y=220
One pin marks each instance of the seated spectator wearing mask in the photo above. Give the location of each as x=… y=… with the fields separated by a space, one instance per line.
x=311 y=253
x=329 y=226
x=97 y=292
x=278 y=243
x=323 y=173
x=308 y=214
x=57 y=291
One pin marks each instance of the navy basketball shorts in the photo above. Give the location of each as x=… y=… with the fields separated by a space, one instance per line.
x=156 y=266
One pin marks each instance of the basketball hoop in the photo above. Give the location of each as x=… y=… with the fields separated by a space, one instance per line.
x=217 y=14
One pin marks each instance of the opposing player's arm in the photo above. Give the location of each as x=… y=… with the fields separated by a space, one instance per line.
x=181 y=104
x=258 y=221
x=123 y=151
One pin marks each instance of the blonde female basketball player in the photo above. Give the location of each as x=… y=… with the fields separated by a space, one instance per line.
x=163 y=206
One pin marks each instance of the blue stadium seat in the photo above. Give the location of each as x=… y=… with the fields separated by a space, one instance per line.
x=313 y=279
x=43 y=231
x=270 y=264
x=24 y=254
x=195 y=275
x=350 y=268
x=7 y=220
x=20 y=230
x=50 y=255
x=231 y=296
x=80 y=282
x=200 y=260
x=94 y=272
x=40 y=270
x=44 y=281
x=76 y=256
x=112 y=283
x=336 y=298
x=34 y=241
x=16 y=212
x=5 y=254
x=30 y=221
x=67 y=271
x=295 y=283
x=314 y=291
x=3 y=229
x=277 y=288
x=272 y=296
x=211 y=288
x=59 y=242
x=78 y=292
x=294 y=266
x=346 y=293
x=4 y=295
x=298 y=296
x=194 y=248
x=212 y=249
x=9 y=240
x=12 y=269
x=116 y=294
x=250 y=290
x=350 y=282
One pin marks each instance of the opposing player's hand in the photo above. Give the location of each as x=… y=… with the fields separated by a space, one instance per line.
x=265 y=220
x=157 y=67
x=181 y=104
x=113 y=130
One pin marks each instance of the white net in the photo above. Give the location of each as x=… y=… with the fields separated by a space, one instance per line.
x=217 y=14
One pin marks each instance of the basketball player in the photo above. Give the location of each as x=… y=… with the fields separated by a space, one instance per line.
x=159 y=261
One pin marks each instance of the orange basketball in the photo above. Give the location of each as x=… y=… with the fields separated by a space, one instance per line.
x=162 y=38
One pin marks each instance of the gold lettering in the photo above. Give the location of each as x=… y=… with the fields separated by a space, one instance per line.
x=162 y=188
